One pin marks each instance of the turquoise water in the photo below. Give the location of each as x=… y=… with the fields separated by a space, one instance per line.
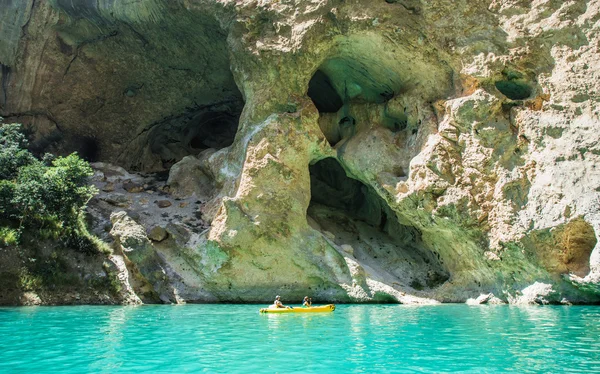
x=355 y=338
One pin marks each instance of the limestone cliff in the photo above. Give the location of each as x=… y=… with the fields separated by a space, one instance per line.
x=410 y=151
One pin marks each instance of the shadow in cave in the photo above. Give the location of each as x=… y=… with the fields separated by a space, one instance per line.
x=213 y=130
x=351 y=213
x=515 y=89
x=89 y=149
x=323 y=94
x=341 y=82
x=198 y=129
x=514 y=85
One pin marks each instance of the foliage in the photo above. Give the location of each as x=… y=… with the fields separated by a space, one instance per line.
x=7 y=192
x=13 y=152
x=58 y=191
x=100 y=245
x=8 y=236
x=111 y=282
x=46 y=195
x=28 y=281
x=53 y=270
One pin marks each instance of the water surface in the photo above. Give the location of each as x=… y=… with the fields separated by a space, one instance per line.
x=354 y=338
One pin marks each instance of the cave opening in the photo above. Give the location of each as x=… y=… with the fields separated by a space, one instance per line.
x=353 y=214
x=342 y=82
x=213 y=130
x=190 y=133
x=89 y=149
x=514 y=89
x=332 y=188
x=181 y=96
x=514 y=84
x=323 y=94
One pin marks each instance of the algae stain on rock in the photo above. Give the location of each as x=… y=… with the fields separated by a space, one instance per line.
x=212 y=257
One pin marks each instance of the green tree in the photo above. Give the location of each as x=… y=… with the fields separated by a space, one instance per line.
x=58 y=191
x=38 y=194
x=13 y=151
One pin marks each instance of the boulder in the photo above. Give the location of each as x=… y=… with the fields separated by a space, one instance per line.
x=145 y=265
x=178 y=232
x=157 y=234
x=132 y=187
x=187 y=177
x=30 y=298
x=537 y=294
x=130 y=236
x=117 y=199
x=485 y=299
x=164 y=203
x=108 y=187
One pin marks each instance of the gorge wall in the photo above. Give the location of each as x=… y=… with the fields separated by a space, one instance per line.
x=358 y=151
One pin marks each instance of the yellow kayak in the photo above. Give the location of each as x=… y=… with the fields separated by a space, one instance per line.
x=312 y=309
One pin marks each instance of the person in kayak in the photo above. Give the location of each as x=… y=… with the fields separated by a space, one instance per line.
x=277 y=303
x=307 y=302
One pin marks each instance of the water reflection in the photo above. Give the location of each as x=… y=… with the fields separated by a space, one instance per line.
x=111 y=326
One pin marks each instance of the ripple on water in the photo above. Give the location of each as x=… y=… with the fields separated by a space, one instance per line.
x=355 y=338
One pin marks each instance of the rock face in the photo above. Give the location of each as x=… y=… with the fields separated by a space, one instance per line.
x=44 y=272
x=401 y=151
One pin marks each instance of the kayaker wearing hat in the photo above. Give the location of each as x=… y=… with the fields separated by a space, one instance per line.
x=307 y=302
x=277 y=303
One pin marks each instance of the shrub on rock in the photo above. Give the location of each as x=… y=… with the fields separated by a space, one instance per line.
x=43 y=195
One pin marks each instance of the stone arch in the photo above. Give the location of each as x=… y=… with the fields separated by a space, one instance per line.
x=352 y=215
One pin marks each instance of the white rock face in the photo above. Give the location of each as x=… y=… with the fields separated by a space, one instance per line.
x=127 y=292
x=485 y=299
x=537 y=293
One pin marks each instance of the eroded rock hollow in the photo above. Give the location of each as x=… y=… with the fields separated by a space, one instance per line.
x=358 y=151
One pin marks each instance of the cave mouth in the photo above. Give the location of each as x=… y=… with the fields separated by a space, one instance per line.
x=177 y=94
x=351 y=213
x=213 y=130
x=515 y=89
x=86 y=146
x=323 y=94
x=198 y=129
x=89 y=149
x=341 y=82
x=514 y=84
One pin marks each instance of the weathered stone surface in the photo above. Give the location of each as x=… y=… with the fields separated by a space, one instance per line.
x=190 y=176
x=108 y=187
x=132 y=187
x=164 y=203
x=485 y=299
x=111 y=173
x=178 y=232
x=157 y=234
x=146 y=267
x=452 y=145
x=130 y=236
x=30 y=298
x=537 y=293
x=117 y=265
x=117 y=199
